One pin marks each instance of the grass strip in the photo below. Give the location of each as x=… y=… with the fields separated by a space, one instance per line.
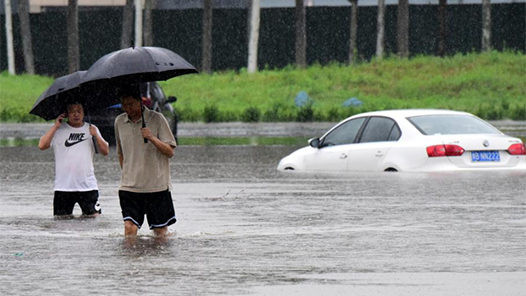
x=491 y=85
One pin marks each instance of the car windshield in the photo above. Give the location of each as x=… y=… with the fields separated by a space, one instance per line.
x=451 y=125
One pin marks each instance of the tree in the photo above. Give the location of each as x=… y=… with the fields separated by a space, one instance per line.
x=486 y=25
x=403 y=28
x=353 y=51
x=254 y=36
x=25 y=33
x=9 y=36
x=301 y=34
x=138 y=23
x=73 y=36
x=206 y=53
x=127 y=24
x=148 y=26
x=380 y=36
x=442 y=31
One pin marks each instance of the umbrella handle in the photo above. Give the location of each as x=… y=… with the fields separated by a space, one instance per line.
x=95 y=145
x=93 y=139
x=143 y=123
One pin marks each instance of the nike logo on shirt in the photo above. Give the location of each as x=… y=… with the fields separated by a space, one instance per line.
x=74 y=139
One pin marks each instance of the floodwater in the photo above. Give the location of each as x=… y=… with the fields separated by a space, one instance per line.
x=246 y=229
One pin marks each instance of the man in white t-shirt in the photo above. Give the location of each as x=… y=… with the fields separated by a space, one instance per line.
x=72 y=144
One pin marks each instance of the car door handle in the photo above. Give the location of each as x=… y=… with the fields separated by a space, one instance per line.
x=379 y=154
x=343 y=156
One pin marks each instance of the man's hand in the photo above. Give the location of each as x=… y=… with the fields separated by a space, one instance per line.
x=59 y=119
x=146 y=133
x=93 y=131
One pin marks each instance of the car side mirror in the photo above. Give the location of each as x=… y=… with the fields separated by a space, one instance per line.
x=171 y=99
x=314 y=143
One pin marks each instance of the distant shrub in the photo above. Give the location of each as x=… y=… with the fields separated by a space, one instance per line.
x=228 y=116
x=505 y=105
x=333 y=115
x=251 y=114
x=211 y=114
x=305 y=114
x=279 y=113
x=272 y=114
x=188 y=115
x=319 y=115
x=493 y=114
x=350 y=111
x=518 y=113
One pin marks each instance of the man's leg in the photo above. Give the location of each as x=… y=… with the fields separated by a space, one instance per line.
x=161 y=212
x=163 y=231
x=130 y=229
x=89 y=203
x=132 y=211
x=63 y=203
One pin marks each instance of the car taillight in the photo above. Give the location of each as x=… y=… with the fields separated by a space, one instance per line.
x=517 y=149
x=444 y=150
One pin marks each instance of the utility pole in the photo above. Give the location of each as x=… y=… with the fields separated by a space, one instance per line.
x=206 y=43
x=138 y=23
x=254 y=36
x=380 y=36
x=301 y=34
x=73 y=36
x=486 y=25
x=127 y=24
x=354 y=32
x=9 y=36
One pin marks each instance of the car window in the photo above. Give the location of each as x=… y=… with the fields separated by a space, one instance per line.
x=395 y=133
x=378 y=129
x=345 y=133
x=451 y=125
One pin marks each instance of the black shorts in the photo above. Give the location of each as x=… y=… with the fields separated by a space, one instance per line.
x=88 y=201
x=157 y=206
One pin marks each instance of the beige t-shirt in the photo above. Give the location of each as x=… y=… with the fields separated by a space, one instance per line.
x=144 y=168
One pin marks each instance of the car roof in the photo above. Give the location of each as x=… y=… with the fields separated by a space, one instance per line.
x=411 y=112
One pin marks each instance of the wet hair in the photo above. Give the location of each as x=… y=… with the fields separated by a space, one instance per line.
x=130 y=91
x=74 y=103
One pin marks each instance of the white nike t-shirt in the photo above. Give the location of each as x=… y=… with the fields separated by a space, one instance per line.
x=74 y=151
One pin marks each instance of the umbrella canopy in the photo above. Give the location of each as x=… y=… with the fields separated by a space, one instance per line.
x=130 y=66
x=53 y=101
x=138 y=64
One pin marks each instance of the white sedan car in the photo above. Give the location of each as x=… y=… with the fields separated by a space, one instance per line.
x=410 y=140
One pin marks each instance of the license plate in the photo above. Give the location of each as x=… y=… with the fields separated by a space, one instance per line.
x=477 y=156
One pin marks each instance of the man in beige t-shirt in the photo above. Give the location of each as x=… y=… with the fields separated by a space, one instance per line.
x=145 y=177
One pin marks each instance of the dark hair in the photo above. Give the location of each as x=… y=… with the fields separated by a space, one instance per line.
x=130 y=91
x=75 y=103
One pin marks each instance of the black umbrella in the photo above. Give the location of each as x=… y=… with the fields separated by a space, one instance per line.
x=53 y=101
x=133 y=65
x=139 y=64
x=63 y=91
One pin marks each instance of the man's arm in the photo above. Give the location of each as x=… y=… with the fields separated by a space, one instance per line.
x=103 y=146
x=121 y=159
x=165 y=149
x=45 y=141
